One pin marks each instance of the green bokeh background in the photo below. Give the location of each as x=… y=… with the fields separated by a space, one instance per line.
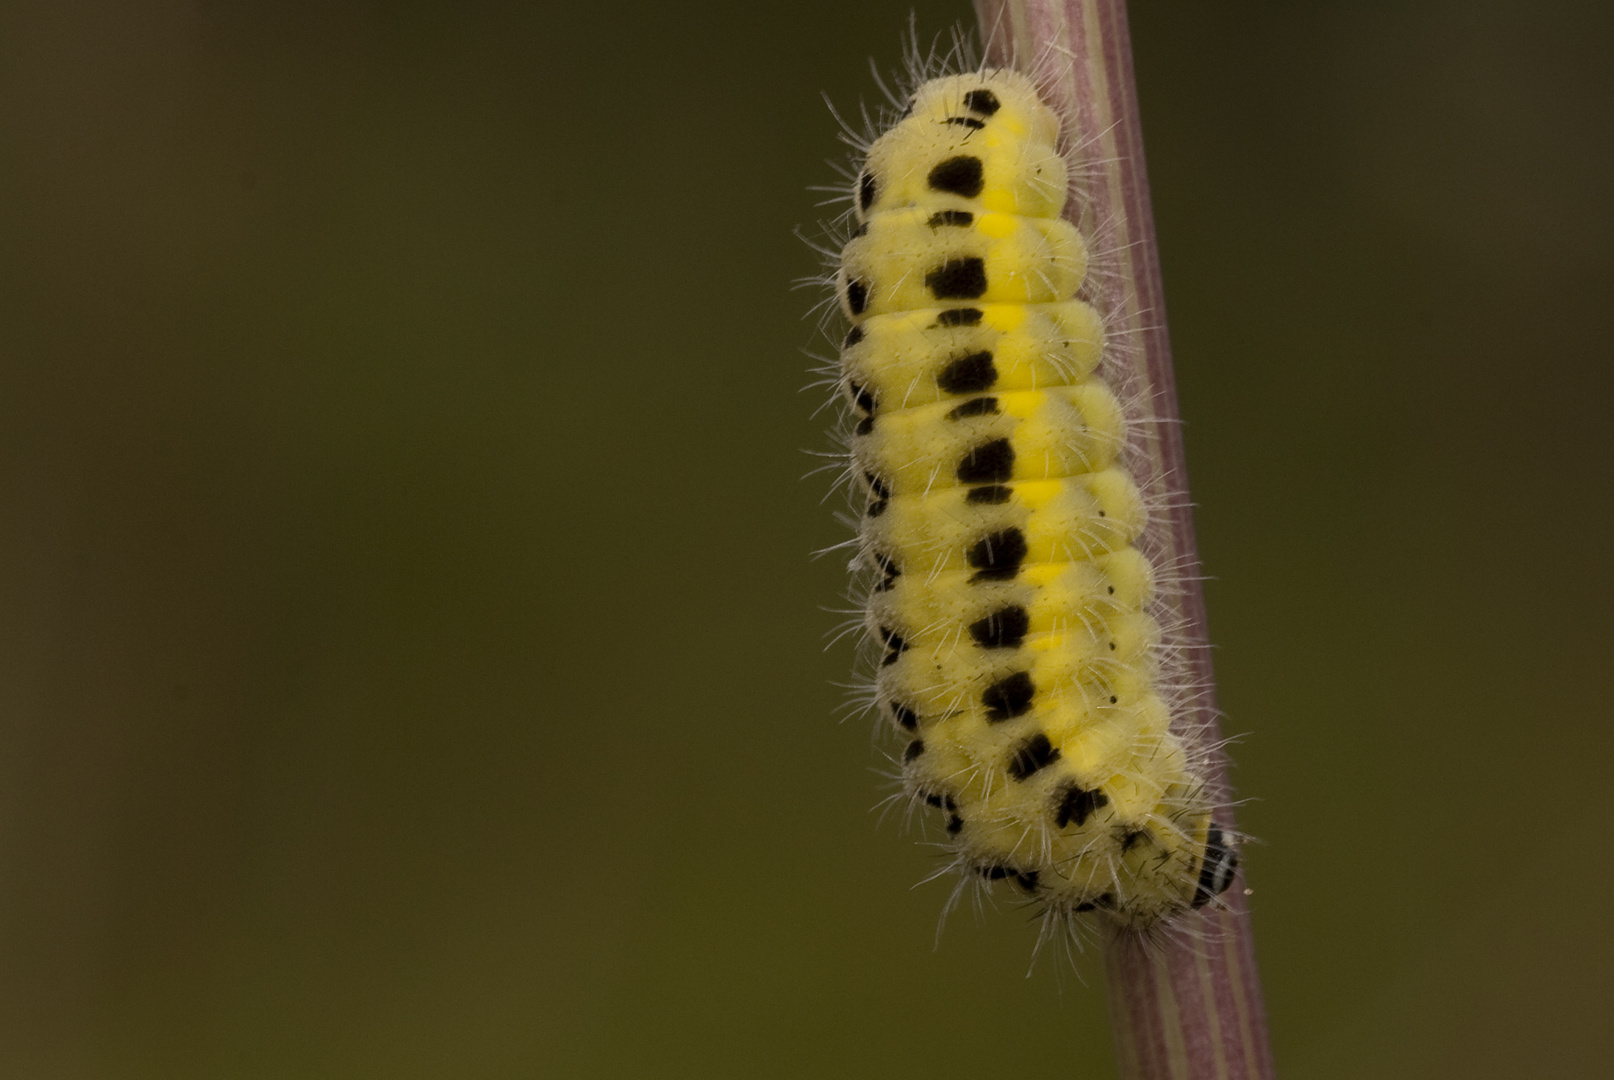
x=413 y=665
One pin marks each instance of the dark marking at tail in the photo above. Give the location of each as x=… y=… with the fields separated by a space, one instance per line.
x=1221 y=864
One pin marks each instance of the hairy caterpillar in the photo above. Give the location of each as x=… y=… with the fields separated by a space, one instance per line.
x=1007 y=604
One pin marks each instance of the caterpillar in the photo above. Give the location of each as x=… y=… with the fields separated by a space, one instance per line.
x=1008 y=609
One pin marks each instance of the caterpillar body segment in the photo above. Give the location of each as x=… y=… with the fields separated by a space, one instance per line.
x=1008 y=607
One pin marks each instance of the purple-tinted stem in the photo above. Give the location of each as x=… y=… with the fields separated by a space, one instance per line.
x=1187 y=1007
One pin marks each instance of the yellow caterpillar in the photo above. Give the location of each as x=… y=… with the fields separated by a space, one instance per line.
x=1008 y=607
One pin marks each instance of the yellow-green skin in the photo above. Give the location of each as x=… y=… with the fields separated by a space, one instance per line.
x=1011 y=610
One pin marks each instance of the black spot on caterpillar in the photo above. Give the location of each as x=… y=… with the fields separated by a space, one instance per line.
x=863 y=402
x=982 y=101
x=958 y=176
x=857 y=297
x=1032 y=756
x=894 y=645
x=997 y=557
x=1003 y=629
x=990 y=463
x=954 y=218
x=861 y=398
x=1076 y=804
x=981 y=406
x=880 y=495
x=961 y=316
x=969 y=374
x=1009 y=697
x=890 y=571
x=957 y=279
x=989 y=494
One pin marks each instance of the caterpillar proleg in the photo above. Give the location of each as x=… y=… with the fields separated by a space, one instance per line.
x=1010 y=613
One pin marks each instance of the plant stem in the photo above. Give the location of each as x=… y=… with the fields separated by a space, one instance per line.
x=1188 y=1005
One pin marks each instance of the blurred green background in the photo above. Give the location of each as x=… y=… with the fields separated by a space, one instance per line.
x=413 y=665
